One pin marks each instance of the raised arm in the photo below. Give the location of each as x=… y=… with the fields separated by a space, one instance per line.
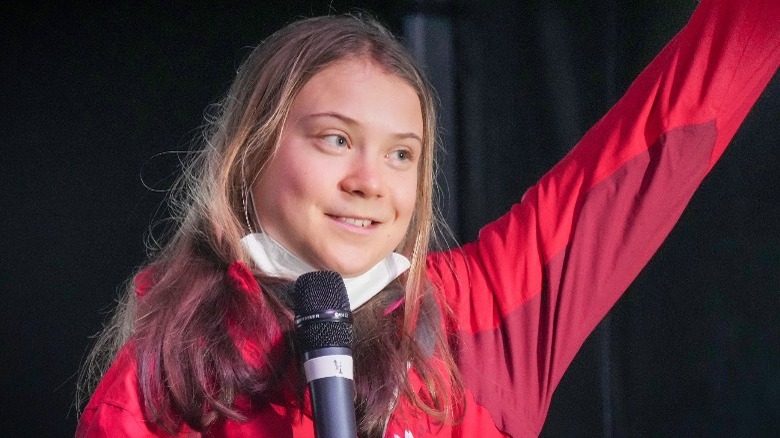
x=539 y=279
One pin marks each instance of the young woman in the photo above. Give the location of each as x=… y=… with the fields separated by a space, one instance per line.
x=322 y=158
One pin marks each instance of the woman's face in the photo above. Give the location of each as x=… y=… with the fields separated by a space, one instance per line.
x=341 y=189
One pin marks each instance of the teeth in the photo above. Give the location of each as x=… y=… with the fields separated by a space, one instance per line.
x=357 y=222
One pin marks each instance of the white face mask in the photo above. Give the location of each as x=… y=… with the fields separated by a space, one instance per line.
x=275 y=260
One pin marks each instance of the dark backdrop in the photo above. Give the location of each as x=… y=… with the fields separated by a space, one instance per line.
x=93 y=94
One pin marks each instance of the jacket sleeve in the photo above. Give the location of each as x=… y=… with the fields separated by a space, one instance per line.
x=107 y=420
x=109 y=412
x=538 y=280
x=115 y=409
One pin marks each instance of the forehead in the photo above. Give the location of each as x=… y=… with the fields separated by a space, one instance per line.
x=364 y=91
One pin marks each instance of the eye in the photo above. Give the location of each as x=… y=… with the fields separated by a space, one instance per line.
x=402 y=155
x=336 y=140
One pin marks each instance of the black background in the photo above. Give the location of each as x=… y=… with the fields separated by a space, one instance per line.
x=94 y=95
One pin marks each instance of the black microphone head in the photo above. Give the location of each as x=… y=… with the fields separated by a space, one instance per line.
x=316 y=292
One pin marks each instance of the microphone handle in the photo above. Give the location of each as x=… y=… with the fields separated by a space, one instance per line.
x=329 y=372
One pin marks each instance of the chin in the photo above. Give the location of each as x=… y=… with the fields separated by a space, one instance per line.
x=350 y=269
x=351 y=272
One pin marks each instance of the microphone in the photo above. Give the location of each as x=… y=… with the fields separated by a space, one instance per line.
x=323 y=324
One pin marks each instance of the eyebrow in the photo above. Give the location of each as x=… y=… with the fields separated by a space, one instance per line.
x=352 y=122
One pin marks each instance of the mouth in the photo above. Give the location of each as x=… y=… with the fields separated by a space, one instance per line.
x=358 y=222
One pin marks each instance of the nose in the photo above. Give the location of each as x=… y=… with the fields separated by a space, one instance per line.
x=363 y=178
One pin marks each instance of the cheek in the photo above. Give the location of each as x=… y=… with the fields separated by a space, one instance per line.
x=291 y=178
x=405 y=207
x=406 y=198
x=279 y=188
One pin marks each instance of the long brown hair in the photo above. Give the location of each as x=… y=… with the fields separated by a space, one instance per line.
x=183 y=329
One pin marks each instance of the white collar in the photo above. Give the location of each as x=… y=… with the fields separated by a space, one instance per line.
x=274 y=259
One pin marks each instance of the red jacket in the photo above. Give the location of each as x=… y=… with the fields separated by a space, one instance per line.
x=528 y=292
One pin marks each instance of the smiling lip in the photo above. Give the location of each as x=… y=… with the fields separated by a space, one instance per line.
x=354 y=222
